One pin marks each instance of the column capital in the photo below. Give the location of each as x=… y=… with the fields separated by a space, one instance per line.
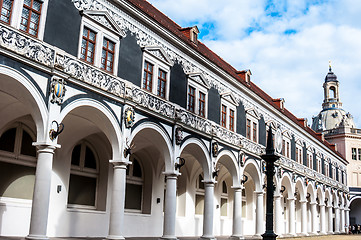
x=170 y=175
x=120 y=164
x=329 y=206
x=238 y=188
x=291 y=199
x=209 y=182
x=313 y=203
x=277 y=196
x=303 y=201
x=46 y=146
x=259 y=193
x=322 y=205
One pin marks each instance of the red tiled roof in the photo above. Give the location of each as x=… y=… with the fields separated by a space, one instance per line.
x=173 y=27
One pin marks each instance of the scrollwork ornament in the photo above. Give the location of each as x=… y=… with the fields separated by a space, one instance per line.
x=57 y=89
x=129 y=117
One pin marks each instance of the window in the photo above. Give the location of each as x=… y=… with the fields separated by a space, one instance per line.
x=327 y=170
x=231 y=120
x=88 y=45
x=299 y=157
x=309 y=160
x=224 y=116
x=202 y=104
x=254 y=132
x=319 y=167
x=107 y=61
x=162 y=80
x=18 y=162
x=199 y=198
x=224 y=200
x=134 y=186
x=30 y=17
x=156 y=68
x=99 y=43
x=191 y=99
x=359 y=153
x=83 y=180
x=148 y=76
x=6 y=9
x=354 y=154
x=286 y=147
x=248 y=129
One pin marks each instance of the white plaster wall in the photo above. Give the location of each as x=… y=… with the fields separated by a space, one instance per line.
x=15 y=217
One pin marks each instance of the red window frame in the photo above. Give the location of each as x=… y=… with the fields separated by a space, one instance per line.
x=8 y=11
x=202 y=104
x=254 y=132
x=26 y=23
x=107 y=64
x=224 y=116
x=84 y=51
x=288 y=149
x=191 y=98
x=148 y=76
x=248 y=129
x=162 y=80
x=231 y=120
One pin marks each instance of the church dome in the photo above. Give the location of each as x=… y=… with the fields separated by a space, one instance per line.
x=331 y=77
x=329 y=119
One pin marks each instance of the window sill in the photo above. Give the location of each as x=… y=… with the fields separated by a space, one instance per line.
x=84 y=209
x=15 y=202
x=129 y=213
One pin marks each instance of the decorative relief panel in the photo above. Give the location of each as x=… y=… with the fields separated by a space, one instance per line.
x=26 y=46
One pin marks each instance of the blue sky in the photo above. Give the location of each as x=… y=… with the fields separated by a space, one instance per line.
x=287 y=44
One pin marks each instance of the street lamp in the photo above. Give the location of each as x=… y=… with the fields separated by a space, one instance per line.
x=270 y=157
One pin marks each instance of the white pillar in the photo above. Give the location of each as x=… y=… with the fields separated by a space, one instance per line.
x=259 y=214
x=342 y=227
x=237 y=232
x=303 y=217
x=330 y=222
x=208 y=211
x=347 y=213
x=314 y=217
x=278 y=215
x=41 y=195
x=116 y=222
x=291 y=220
x=170 y=207
x=337 y=220
x=322 y=219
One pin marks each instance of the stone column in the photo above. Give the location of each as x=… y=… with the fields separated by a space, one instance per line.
x=170 y=207
x=347 y=216
x=322 y=219
x=208 y=211
x=303 y=217
x=342 y=228
x=237 y=232
x=278 y=215
x=337 y=220
x=314 y=217
x=41 y=196
x=330 y=222
x=116 y=223
x=291 y=220
x=259 y=214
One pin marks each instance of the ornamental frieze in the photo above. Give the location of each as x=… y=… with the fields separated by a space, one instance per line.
x=88 y=74
x=26 y=46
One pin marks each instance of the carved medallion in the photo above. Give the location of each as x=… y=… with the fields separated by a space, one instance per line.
x=57 y=90
x=129 y=116
x=215 y=148
x=178 y=135
x=242 y=158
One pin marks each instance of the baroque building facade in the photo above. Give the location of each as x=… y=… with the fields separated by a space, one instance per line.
x=338 y=127
x=117 y=122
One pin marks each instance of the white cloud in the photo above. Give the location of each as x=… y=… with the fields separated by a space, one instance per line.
x=291 y=66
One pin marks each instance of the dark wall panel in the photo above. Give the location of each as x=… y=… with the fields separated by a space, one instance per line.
x=178 y=86
x=314 y=161
x=241 y=120
x=214 y=105
x=304 y=150
x=293 y=148
x=130 y=60
x=262 y=132
x=62 y=27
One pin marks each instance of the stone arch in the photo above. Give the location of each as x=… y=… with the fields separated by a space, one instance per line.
x=286 y=181
x=100 y=116
x=252 y=168
x=301 y=188
x=227 y=159
x=21 y=96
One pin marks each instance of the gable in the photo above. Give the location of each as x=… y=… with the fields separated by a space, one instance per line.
x=103 y=18
x=160 y=54
x=229 y=96
x=200 y=79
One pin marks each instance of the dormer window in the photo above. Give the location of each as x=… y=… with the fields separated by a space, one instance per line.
x=228 y=111
x=197 y=94
x=194 y=37
x=156 y=68
x=191 y=33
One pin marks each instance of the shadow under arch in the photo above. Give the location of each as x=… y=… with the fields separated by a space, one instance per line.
x=19 y=96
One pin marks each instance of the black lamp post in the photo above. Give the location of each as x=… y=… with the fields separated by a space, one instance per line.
x=270 y=157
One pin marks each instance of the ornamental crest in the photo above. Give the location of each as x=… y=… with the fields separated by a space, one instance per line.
x=57 y=90
x=280 y=172
x=129 y=117
x=215 y=149
x=178 y=135
x=242 y=158
x=263 y=166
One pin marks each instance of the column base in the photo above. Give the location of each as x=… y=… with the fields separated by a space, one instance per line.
x=330 y=233
x=312 y=234
x=36 y=237
x=302 y=234
x=257 y=236
x=322 y=233
x=207 y=238
x=288 y=235
x=168 y=238
x=115 y=237
x=236 y=237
